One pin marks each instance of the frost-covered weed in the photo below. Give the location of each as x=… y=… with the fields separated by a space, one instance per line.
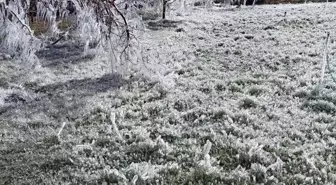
x=257 y=90
x=321 y=106
x=324 y=118
x=249 y=102
x=88 y=29
x=239 y=175
x=258 y=173
x=113 y=175
x=227 y=157
x=301 y=93
x=208 y=163
x=235 y=88
x=143 y=170
x=16 y=36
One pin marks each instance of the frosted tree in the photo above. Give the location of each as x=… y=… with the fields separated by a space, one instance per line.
x=164 y=6
x=94 y=22
x=160 y=6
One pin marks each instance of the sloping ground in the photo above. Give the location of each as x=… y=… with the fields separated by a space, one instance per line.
x=238 y=106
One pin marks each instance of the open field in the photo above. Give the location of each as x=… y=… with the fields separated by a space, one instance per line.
x=236 y=104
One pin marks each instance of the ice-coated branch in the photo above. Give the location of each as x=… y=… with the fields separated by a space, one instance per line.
x=22 y=23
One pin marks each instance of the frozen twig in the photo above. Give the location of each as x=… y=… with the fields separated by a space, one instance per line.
x=323 y=68
x=326 y=57
x=63 y=36
x=61 y=129
x=114 y=125
x=278 y=166
x=134 y=180
x=325 y=61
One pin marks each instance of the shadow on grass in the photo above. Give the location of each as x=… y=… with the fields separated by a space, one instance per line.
x=38 y=152
x=62 y=100
x=62 y=55
x=161 y=24
x=84 y=86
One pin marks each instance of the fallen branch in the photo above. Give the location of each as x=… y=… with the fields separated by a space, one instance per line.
x=61 y=38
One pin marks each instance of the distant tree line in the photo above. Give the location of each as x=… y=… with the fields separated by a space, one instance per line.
x=250 y=2
x=294 y=1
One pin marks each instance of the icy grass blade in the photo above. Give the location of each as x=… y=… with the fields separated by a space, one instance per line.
x=114 y=126
x=60 y=131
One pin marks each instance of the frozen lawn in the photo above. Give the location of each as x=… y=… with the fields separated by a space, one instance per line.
x=237 y=106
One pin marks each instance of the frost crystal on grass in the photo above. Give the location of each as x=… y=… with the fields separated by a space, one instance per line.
x=207 y=163
x=277 y=166
x=144 y=170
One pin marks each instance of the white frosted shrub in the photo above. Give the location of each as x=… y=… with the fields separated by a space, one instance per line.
x=16 y=36
x=18 y=42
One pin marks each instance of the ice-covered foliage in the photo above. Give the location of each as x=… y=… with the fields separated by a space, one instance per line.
x=93 y=23
x=18 y=42
x=152 y=9
x=16 y=35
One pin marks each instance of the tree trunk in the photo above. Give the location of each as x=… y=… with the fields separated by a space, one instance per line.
x=164 y=6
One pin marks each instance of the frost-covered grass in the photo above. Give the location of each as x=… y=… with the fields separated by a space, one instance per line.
x=238 y=106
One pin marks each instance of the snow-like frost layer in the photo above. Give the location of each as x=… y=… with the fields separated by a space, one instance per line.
x=241 y=108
